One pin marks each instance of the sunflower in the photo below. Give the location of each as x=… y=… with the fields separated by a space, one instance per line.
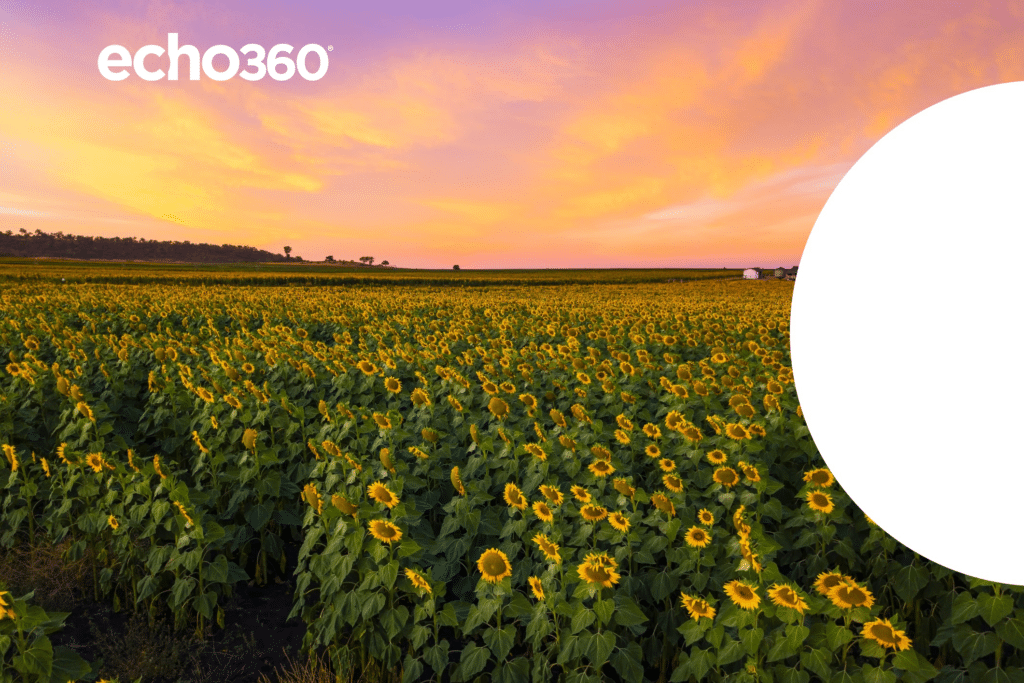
x=232 y=401
x=380 y=493
x=751 y=473
x=112 y=521
x=849 y=595
x=826 y=581
x=508 y=387
x=558 y=418
x=418 y=581
x=543 y=512
x=757 y=430
x=418 y=453
x=514 y=497
x=536 y=451
x=549 y=549
x=706 y=517
x=344 y=505
x=457 y=481
x=393 y=384
x=529 y=400
x=95 y=461
x=249 y=439
x=199 y=443
x=156 y=467
x=601 y=468
x=885 y=634
x=382 y=420
x=623 y=487
x=600 y=452
x=674 y=420
x=619 y=521
x=494 y=565
x=821 y=476
x=85 y=410
x=691 y=433
x=567 y=443
x=46 y=466
x=624 y=422
x=419 y=398
x=697 y=537
x=652 y=431
x=580 y=494
x=652 y=451
x=672 y=483
x=667 y=465
x=367 y=367
x=820 y=501
x=385 y=459
x=774 y=387
x=743 y=595
x=454 y=402
x=736 y=431
x=498 y=408
x=385 y=531
x=593 y=513
x=662 y=502
x=697 y=608
x=311 y=496
x=596 y=573
x=786 y=596
x=717 y=457
x=554 y=496
x=726 y=476
x=490 y=387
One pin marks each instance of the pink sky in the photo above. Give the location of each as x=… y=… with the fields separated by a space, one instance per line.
x=515 y=135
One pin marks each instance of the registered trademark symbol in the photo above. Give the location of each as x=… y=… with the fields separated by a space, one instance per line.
x=330 y=48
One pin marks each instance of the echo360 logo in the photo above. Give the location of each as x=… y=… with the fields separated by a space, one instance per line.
x=115 y=61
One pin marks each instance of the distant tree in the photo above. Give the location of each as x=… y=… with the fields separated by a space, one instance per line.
x=298 y=258
x=455 y=267
x=385 y=263
x=288 y=252
x=368 y=260
x=329 y=259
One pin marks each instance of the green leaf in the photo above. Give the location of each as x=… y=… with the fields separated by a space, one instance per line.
x=516 y=671
x=68 y=665
x=388 y=573
x=973 y=645
x=437 y=656
x=258 y=515
x=1012 y=631
x=627 y=612
x=408 y=548
x=628 y=662
x=873 y=674
x=993 y=609
x=751 y=639
x=836 y=636
x=604 y=610
x=474 y=659
x=911 y=661
x=36 y=659
x=964 y=607
x=731 y=651
x=701 y=662
x=995 y=676
x=662 y=585
x=601 y=647
x=372 y=604
x=909 y=581
x=413 y=670
x=180 y=591
x=817 y=660
x=582 y=619
x=500 y=641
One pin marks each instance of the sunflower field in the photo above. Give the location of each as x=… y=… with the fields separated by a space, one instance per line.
x=510 y=483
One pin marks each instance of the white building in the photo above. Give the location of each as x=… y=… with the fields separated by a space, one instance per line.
x=750 y=274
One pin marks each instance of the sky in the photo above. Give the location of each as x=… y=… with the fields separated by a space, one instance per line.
x=526 y=134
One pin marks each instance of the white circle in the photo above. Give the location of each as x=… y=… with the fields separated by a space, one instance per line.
x=904 y=332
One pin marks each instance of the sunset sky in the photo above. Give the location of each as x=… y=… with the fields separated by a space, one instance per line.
x=555 y=133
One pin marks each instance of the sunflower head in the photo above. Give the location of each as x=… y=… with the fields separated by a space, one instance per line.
x=623 y=487
x=821 y=477
x=543 y=512
x=554 y=496
x=549 y=549
x=850 y=595
x=820 y=501
x=580 y=494
x=885 y=634
x=494 y=565
x=382 y=494
x=385 y=531
x=393 y=384
x=619 y=521
x=726 y=476
x=498 y=408
x=786 y=596
x=697 y=537
x=593 y=513
x=536 y=588
x=743 y=594
x=826 y=581
x=673 y=483
x=706 y=517
x=601 y=468
x=597 y=574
